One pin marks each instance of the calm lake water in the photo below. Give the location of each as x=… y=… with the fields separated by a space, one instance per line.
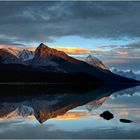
x=69 y=113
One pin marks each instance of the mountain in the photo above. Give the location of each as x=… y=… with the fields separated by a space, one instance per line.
x=26 y=54
x=18 y=73
x=22 y=53
x=92 y=60
x=15 y=55
x=45 y=52
x=51 y=65
x=45 y=111
x=128 y=73
x=50 y=59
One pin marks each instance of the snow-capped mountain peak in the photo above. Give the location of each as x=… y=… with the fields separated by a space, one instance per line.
x=45 y=51
x=92 y=60
x=15 y=54
x=46 y=56
x=26 y=54
x=8 y=56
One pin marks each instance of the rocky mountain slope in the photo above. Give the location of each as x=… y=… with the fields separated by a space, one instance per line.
x=47 y=59
x=92 y=60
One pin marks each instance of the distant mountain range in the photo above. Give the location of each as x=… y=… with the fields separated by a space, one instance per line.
x=50 y=65
x=94 y=61
x=129 y=73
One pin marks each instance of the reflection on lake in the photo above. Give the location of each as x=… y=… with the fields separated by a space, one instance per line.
x=70 y=112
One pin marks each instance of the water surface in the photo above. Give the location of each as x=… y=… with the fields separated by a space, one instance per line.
x=43 y=112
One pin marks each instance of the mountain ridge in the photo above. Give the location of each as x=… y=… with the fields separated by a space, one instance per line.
x=94 y=61
x=47 y=59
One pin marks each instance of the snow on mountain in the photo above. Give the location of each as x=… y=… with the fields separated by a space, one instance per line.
x=23 y=53
x=15 y=55
x=8 y=56
x=25 y=111
x=26 y=54
x=92 y=60
x=129 y=73
x=42 y=109
x=49 y=59
x=22 y=111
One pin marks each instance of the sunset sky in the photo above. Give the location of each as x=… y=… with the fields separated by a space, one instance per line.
x=108 y=30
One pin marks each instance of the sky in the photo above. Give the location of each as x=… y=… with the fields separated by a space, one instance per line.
x=108 y=30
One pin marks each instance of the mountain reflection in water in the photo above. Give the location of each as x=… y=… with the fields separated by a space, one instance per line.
x=49 y=105
x=43 y=103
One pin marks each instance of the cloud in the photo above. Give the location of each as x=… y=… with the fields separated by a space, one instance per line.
x=77 y=51
x=128 y=53
x=68 y=50
x=9 y=41
x=135 y=44
x=130 y=45
x=106 y=46
x=126 y=56
x=116 y=61
x=122 y=53
x=46 y=21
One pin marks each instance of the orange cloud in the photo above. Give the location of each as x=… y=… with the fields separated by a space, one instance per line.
x=122 y=53
x=115 y=61
x=67 y=50
x=77 y=51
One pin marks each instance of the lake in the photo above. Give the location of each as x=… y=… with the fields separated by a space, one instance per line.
x=65 y=112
